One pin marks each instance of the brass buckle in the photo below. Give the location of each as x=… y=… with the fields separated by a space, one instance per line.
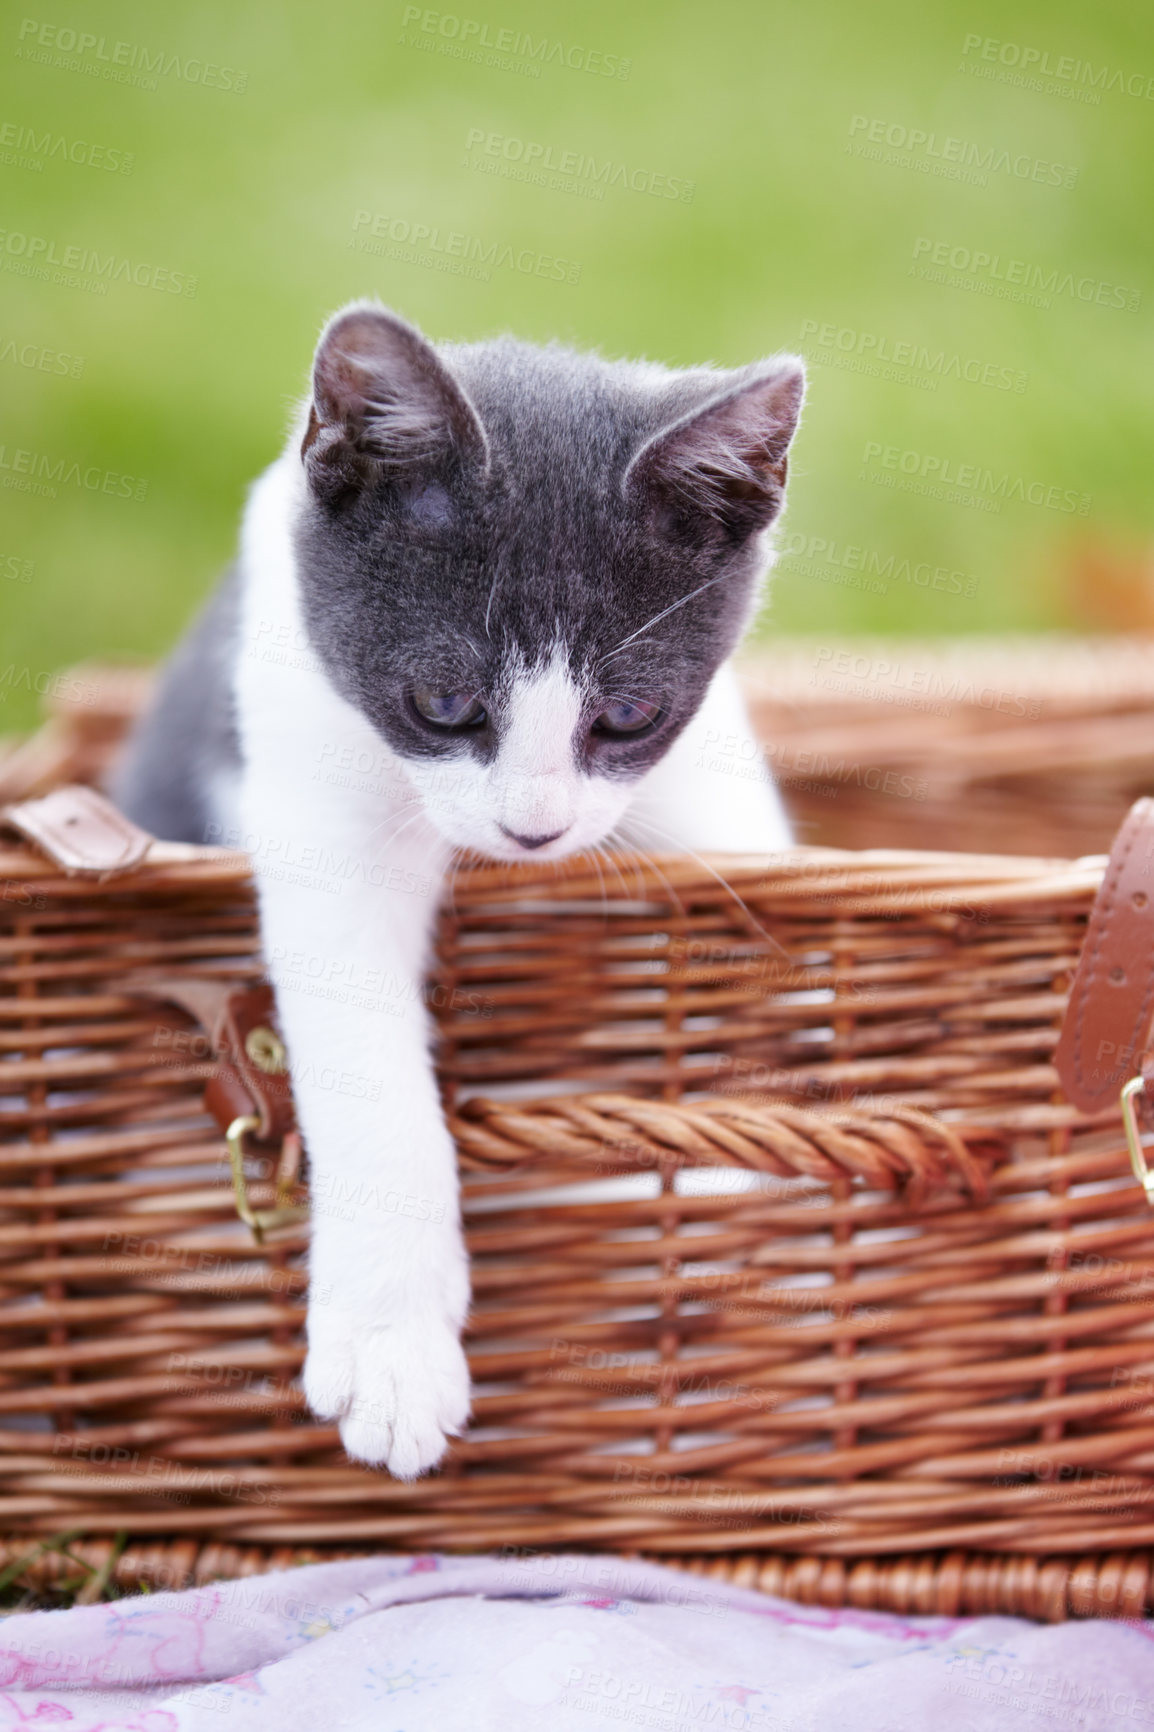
x=266 y=1050
x=263 y=1221
x=1142 y=1172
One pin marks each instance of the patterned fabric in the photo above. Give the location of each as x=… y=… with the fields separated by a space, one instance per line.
x=572 y=1643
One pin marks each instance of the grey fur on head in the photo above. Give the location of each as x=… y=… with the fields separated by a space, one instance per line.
x=474 y=510
x=476 y=506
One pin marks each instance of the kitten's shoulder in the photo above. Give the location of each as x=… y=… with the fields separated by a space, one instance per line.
x=179 y=768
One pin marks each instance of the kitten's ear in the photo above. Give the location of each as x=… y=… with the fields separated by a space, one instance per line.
x=723 y=467
x=383 y=401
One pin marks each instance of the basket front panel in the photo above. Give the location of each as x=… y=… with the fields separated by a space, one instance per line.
x=665 y=1355
x=820 y=980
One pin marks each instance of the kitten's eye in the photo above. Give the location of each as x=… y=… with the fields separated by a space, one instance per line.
x=625 y=716
x=448 y=709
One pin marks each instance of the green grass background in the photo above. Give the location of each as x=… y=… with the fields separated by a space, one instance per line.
x=254 y=194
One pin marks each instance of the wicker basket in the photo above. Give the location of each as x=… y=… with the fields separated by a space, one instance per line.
x=862 y=1285
x=1033 y=746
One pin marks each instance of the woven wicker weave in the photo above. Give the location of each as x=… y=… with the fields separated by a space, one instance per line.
x=868 y=1293
x=853 y=1351
x=1033 y=746
x=949 y=1584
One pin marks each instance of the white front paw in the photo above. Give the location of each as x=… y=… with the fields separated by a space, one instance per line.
x=400 y=1390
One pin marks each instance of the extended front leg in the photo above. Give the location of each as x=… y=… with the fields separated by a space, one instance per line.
x=389 y=1287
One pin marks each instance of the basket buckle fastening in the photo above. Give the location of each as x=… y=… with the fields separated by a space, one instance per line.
x=263 y=1221
x=266 y=1051
x=1129 y=1098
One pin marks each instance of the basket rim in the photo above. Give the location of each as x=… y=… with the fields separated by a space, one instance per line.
x=880 y=875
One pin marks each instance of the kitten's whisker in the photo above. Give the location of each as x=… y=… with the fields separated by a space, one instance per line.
x=390 y=841
x=638 y=891
x=593 y=853
x=401 y=819
x=430 y=861
x=409 y=809
x=492 y=594
x=664 y=614
x=654 y=865
x=680 y=847
x=607 y=854
x=453 y=867
x=617 y=840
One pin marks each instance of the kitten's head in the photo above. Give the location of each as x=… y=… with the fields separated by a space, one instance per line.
x=525 y=565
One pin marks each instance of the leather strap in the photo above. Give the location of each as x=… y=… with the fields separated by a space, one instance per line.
x=84 y=834
x=1106 y=1036
x=250 y=1084
x=80 y=831
x=239 y=1076
x=240 y=1027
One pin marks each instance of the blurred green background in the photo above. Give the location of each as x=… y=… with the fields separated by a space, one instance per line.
x=352 y=107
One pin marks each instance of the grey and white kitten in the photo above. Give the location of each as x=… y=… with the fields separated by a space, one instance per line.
x=485 y=600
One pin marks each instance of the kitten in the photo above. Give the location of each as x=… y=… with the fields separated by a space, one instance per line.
x=484 y=600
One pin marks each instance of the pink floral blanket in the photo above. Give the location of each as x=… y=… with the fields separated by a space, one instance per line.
x=563 y=1642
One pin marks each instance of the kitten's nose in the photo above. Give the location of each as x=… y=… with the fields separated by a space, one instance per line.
x=530 y=841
